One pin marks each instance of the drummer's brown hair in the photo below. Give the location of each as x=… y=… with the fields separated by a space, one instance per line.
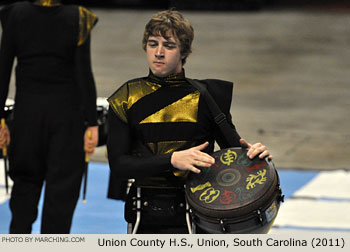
x=167 y=23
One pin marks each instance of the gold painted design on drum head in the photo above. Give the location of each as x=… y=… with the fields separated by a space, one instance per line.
x=259 y=178
x=228 y=157
x=209 y=195
x=200 y=187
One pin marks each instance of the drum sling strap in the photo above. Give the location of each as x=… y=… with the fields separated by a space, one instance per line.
x=219 y=117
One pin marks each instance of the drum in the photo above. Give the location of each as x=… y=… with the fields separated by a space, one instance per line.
x=102 y=112
x=235 y=195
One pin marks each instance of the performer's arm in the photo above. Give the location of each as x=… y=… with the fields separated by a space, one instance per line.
x=87 y=88
x=86 y=81
x=121 y=162
x=7 y=55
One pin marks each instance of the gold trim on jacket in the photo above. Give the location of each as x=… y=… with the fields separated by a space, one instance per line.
x=87 y=21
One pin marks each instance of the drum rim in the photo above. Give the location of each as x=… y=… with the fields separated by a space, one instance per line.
x=234 y=223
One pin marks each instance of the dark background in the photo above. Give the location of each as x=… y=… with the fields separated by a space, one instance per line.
x=220 y=5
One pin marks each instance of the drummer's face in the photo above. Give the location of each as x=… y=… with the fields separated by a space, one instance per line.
x=163 y=55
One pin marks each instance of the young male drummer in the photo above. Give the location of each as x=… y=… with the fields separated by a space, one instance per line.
x=160 y=127
x=55 y=96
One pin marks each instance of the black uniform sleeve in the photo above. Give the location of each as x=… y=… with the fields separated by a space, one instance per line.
x=122 y=162
x=7 y=55
x=86 y=82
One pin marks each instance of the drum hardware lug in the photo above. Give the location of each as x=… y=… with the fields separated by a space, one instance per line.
x=280 y=195
x=191 y=214
x=224 y=227
x=281 y=198
x=261 y=217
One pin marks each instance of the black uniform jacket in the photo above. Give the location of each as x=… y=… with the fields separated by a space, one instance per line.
x=52 y=47
x=151 y=117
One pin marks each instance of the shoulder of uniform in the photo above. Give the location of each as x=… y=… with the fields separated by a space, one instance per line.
x=118 y=101
x=8 y=10
x=221 y=91
x=218 y=87
x=125 y=86
x=87 y=21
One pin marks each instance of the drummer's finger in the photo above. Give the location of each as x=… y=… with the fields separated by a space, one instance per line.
x=201 y=147
x=255 y=148
x=204 y=157
x=265 y=154
x=202 y=163
x=193 y=169
x=253 y=151
x=244 y=143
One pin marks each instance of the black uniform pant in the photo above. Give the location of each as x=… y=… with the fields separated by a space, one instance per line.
x=46 y=147
x=163 y=211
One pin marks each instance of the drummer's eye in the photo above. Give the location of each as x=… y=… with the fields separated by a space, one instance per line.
x=152 y=43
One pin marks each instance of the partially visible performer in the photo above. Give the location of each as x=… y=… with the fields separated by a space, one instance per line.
x=55 y=99
x=160 y=128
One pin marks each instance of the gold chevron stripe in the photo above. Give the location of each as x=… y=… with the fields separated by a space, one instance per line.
x=183 y=110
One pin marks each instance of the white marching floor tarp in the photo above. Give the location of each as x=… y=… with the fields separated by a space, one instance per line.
x=323 y=204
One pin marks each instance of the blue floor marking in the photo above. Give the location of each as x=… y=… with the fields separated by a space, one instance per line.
x=104 y=216
x=293 y=180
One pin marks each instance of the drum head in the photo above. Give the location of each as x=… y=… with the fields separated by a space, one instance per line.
x=233 y=186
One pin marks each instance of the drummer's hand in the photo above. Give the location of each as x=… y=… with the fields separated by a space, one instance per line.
x=4 y=136
x=188 y=159
x=90 y=142
x=256 y=149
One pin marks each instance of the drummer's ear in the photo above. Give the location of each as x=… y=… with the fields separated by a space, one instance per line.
x=244 y=143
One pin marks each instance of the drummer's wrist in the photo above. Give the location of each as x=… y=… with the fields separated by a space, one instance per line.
x=173 y=159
